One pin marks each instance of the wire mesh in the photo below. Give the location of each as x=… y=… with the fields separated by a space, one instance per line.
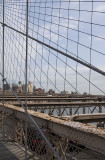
x=52 y=23
x=39 y=38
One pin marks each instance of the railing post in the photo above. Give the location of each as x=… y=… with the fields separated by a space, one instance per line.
x=70 y=111
x=26 y=61
x=100 y=111
x=84 y=109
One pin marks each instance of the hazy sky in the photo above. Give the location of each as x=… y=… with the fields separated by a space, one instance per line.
x=56 y=23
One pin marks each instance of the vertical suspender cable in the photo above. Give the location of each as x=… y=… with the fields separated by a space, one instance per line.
x=3 y=74
x=91 y=43
x=26 y=79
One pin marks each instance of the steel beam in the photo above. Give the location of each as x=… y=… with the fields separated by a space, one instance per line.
x=79 y=104
x=56 y=99
x=86 y=118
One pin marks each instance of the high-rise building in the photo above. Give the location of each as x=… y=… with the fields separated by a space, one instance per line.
x=30 y=87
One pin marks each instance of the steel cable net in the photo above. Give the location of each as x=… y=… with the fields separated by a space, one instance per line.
x=56 y=28
x=66 y=26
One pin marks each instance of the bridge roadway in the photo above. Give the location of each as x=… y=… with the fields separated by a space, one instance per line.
x=85 y=118
x=88 y=135
x=61 y=104
x=64 y=108
x=54 y=98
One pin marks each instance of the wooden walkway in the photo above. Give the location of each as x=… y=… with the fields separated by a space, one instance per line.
x=13 y=151
x=10 y=150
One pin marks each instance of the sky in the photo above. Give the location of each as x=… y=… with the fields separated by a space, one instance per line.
x=64 y=25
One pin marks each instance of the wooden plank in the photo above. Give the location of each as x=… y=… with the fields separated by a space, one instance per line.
x=13 y=151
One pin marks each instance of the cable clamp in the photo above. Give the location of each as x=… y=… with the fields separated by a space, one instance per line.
x=3 y=24
x=4 y=79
